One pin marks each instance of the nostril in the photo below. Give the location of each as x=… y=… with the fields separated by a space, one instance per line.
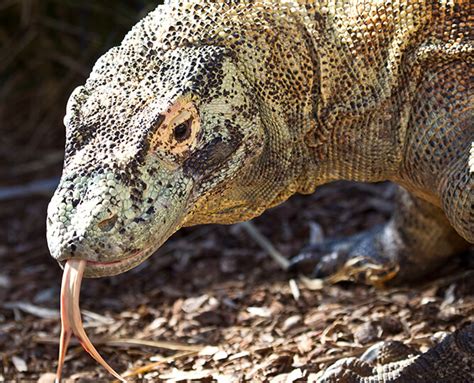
x=107 y=224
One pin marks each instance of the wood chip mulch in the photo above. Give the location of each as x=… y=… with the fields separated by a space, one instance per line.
x=211 y=305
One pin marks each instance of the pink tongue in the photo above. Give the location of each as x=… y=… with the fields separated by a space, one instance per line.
x=71 y=322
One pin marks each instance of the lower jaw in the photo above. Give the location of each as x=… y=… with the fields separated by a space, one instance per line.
x=96 y=269
x=107 y=269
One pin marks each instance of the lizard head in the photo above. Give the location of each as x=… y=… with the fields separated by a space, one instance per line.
x=171 y=129
x=151 y=148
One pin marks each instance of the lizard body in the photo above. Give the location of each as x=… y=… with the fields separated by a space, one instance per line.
x=212 y=112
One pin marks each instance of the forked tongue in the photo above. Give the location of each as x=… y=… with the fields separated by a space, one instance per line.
x=71 y=322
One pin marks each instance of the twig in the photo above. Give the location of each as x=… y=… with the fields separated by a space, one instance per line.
x=156 y=344
x=335 y=358
x=15 y=47
x=34 y=166
x=42 y=187
x=41 y=312
x=295 y=291
x=129 y=342
x=265 y=244
x=151 y=366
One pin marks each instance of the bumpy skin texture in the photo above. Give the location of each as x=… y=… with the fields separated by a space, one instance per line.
x=451 y=361
x=212 y=112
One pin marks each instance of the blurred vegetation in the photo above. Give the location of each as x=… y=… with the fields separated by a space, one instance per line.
x=47 y=48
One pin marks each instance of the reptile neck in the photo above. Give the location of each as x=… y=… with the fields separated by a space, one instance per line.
x=360 y=110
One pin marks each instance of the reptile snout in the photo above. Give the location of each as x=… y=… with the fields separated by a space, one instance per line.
x=84 y=219
x=112 y=224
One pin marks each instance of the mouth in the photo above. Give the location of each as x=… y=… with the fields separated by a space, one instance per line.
x=95 y=269
x=124 y=262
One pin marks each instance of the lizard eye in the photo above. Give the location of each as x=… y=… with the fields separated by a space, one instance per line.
x=182 y=131
x=175 y=131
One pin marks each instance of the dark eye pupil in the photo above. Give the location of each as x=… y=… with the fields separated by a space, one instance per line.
x=182 y=131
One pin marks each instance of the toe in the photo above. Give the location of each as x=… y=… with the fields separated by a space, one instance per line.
x=329 y=264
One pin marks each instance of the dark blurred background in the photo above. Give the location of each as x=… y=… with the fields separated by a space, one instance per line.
x=47 y=48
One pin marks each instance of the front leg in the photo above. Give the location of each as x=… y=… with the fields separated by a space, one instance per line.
x=416 y=240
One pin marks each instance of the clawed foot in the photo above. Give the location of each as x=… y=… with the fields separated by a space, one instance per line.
x=449 y=361
x=366 y=367
x=357 y=258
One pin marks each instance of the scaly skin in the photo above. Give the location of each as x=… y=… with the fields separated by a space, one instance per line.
x=212 y=113
x=449 y=362
x=279 y=98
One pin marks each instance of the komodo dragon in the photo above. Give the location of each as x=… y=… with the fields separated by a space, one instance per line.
x=214 y=111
